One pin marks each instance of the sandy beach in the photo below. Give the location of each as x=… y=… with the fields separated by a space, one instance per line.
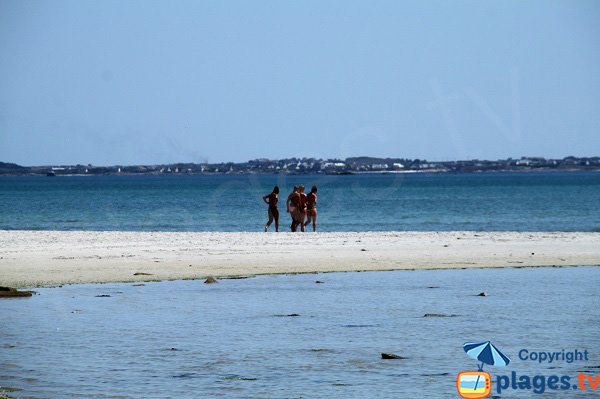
x=41 y=258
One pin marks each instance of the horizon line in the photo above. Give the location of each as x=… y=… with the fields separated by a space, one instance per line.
x=308 y=157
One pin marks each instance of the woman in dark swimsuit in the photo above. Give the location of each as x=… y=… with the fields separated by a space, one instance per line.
x=311 y=208
x=271 y=200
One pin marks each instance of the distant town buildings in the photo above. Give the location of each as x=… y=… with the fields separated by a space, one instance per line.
x=315 y=165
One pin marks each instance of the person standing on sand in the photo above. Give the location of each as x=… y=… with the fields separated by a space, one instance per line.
x=292 y=204
x=311 y=208
x=301 y=212
x=271 y=200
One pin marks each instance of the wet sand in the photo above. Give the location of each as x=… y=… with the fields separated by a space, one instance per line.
x=42 y=258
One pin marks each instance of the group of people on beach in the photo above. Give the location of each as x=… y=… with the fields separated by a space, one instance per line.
x=302 y=208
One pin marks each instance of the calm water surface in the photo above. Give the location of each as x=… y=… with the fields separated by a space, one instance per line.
x=425 y=202
x=233 y=339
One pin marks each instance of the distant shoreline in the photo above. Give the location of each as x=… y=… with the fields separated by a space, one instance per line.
x=303 y=166
x=400 y=172
x=47 y=258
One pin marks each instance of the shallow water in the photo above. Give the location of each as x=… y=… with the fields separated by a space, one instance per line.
x=235 y=339
x=424 y=202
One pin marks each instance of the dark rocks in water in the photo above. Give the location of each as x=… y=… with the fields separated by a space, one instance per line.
x=391 y=356
x=438 y=315
x=318 y=282
x=239 y=377
x=360 y=325
x=434 y=286
x=287 y=315
x=143 y=274
x=483 y=293
x=8 y=389
x=9 y=292
x=185 y=375
x=210 y=280
x=139 y=285
x=11 y=389
x=103 y=296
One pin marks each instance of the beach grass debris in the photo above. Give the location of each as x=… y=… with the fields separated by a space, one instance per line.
x=142 y=274
x=210 y=280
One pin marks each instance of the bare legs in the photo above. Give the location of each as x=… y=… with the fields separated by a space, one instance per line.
x=273 y=216
x=311 y=216
x=297 y=220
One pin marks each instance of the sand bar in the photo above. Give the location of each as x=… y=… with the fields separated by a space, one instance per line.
x=40 y=258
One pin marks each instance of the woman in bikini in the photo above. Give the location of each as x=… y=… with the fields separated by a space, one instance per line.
x=311 y=208
x=271 y=200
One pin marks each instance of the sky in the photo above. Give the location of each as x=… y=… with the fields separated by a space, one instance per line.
x=147 y=82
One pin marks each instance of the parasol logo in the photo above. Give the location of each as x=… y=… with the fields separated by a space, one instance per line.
x=478 y=384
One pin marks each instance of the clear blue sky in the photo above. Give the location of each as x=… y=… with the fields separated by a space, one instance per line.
x=130 y=82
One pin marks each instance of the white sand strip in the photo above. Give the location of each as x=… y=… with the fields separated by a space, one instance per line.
x=34 y=258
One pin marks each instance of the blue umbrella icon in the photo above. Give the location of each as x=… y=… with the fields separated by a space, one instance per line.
x=486 y=353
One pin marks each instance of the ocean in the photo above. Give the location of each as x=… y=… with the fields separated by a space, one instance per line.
x=286 y=336
x=374 y=202
x=289 y=337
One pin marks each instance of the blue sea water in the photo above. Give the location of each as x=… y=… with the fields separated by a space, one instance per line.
x=425 y=202
x=235 y=339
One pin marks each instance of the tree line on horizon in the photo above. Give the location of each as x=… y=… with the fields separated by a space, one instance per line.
x=363 y=164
